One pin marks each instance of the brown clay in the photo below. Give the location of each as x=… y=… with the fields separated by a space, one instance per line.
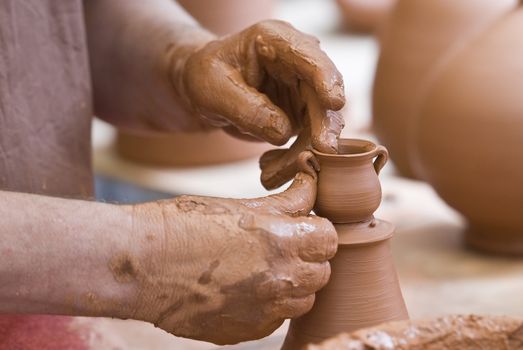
x=470 y=136
x=365 y=15
x=348 y=188
x=463 y=332
x=363 y=289
x=417 y=38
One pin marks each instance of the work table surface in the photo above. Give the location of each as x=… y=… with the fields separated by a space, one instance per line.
x=437 y=274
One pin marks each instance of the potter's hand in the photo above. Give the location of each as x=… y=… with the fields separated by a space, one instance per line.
x=252 y=83
x=225 y=270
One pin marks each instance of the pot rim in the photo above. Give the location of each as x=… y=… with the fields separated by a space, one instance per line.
x=352 y=142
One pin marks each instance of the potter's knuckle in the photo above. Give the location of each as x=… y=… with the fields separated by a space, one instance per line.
x=305 y=305
x=309 y=301
x=326 y=273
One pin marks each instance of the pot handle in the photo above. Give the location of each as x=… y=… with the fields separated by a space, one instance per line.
x=382 y=156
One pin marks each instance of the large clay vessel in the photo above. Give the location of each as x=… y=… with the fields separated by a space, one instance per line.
x=363 y=289
x=365 y=15
x=417 y=38
x=470 y=136
x=201 y=148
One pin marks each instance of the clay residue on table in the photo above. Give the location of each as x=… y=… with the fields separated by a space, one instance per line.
x=463 y=332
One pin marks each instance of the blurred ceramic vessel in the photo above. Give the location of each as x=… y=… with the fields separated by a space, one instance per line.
x=228 y=16
x=470 y=136
x=417 y=39
x=364 y=15
x=348 y=187
x=210 y=147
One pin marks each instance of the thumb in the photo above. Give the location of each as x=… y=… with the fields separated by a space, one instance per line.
x=280 y=165
x=299 y=198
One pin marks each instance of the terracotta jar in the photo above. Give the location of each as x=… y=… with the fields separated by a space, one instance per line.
x=418 y=37
x=201 y=148
x=363 y=289
x=365 y=15
x=470 y=136
x=348 y=187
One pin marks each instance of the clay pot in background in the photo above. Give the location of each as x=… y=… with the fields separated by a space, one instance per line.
x=348 y=187
x=416 y=38
x=186 y=149
x=201 y=148
x=364 y=15
x=470 y=136
x=228 y=16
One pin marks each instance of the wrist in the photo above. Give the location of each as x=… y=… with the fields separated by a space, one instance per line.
x=156 y=237
x=176 y=57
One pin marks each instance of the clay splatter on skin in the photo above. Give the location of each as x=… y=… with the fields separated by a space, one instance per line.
x=124 y=268
x=168 y=312
x=205 y=278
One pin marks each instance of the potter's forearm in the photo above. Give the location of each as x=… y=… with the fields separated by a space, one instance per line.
x=131 y=45
x=56 y=254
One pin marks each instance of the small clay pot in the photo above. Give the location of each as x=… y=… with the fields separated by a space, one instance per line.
x=463 y=332
x=417 y=38
x=348 y=187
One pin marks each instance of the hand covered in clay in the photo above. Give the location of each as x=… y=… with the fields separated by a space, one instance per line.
x=227 y=270
x=262 y=82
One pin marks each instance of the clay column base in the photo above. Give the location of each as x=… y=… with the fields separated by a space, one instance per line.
x=495 y=240
x=363 y=290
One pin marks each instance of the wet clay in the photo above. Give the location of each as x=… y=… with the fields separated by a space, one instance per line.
x=321 y=132
x=363 y=289
x=475 y=164
x=463 y=332
x=428 y=32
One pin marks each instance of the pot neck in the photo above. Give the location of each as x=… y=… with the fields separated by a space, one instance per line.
x=345 y=160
